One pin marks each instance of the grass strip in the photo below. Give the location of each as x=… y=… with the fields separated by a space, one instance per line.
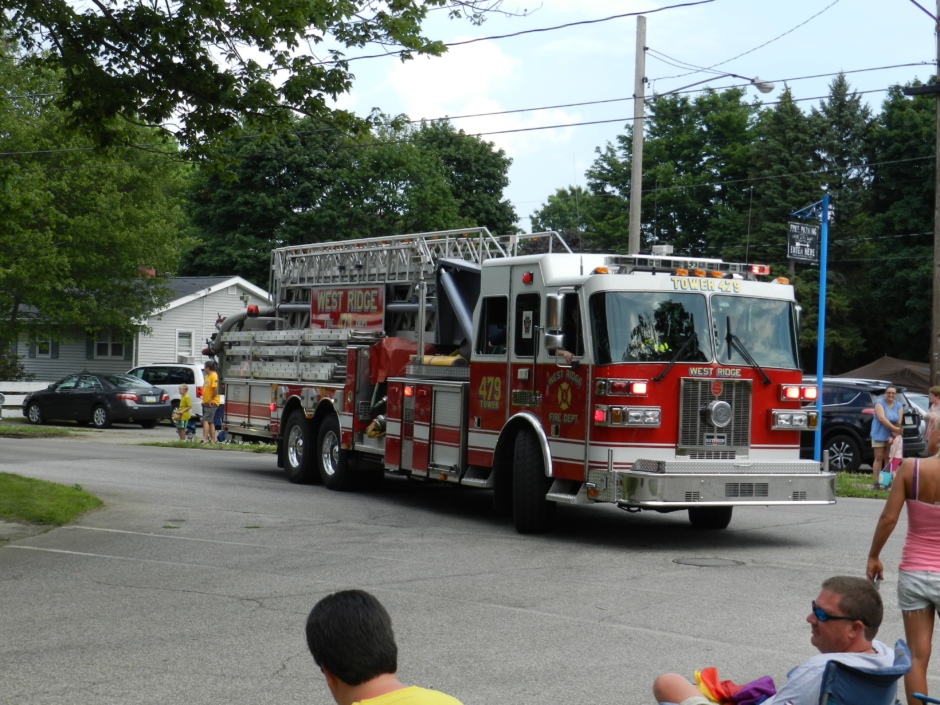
x=20 y=431
x=857 y=485
x=244 y=447
x=28 y=500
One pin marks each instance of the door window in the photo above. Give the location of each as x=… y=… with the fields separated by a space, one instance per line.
x=526 y=323
x=67 y=383
x=491 y=338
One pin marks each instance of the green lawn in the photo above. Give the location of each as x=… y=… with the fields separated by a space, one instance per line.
x=28 y=500
x=8 y=430
x=848 y=485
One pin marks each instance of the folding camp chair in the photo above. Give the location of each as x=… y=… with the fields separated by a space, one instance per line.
x=845 y=685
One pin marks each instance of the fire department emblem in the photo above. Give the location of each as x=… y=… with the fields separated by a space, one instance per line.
x=717 y=388
x=564 y=396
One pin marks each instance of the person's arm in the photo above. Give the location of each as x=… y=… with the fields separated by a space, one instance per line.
x=889 y=519
x=880 y=413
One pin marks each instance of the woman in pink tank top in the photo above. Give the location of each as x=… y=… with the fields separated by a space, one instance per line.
x=917 y=486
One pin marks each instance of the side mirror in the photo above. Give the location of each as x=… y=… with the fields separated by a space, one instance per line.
x=555 y=314
x=799 y=316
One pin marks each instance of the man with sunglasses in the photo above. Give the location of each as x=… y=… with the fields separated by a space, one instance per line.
x=844 y=620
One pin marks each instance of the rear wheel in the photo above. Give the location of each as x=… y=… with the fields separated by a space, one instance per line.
x=531 y=512
x=299 y=450
x=710 y=517
x=34 y=413
x=845 y=453
x=100 y=417
x=331 y=460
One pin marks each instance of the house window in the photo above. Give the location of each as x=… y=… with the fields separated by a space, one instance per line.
x=108 y=345
x=184 y=342
x=43 y=348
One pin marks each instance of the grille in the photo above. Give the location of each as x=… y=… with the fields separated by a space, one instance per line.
x=713 y=455
x=798 y=496
x=693 y=429
x=693 y=496
x=523 y=397
x=747 y=489
x=365 y=411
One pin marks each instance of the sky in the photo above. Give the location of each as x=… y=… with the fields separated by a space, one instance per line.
x=596 y=62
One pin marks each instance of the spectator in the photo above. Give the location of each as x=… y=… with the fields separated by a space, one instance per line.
x=887 y=421
x=844 y=621
x=210 y=400
x=350 y=636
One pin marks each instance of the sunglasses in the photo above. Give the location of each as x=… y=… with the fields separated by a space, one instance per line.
x=824 y=616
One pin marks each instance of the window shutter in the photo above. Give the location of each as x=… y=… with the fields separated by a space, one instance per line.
x=54 y=351
x=90 y=347
x=32 y=350
x=128 y=349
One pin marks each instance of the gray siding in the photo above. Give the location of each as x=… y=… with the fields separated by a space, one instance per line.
x=198 y=317
x=71 y=360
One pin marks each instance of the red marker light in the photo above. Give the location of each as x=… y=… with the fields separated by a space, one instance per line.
x=600 y=415
x=619 y=386
x=760 y=269
x=273 y=406
x=791 y=393
x=253 y=311
x=638 y=388
x=528 y=277
x=810 y=393
x=409 y=391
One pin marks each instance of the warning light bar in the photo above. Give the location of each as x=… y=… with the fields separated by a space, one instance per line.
x=626 y=387
x=798 y=392
x=646 y=416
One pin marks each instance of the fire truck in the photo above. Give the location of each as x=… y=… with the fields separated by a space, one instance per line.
x=652 y=381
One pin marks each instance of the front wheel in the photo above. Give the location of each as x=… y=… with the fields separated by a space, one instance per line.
x=100 y=417
x=710 y=517
x=299 y=450
x=531 y=512
x=845 y=453
x=331 y=460
x=34 y=413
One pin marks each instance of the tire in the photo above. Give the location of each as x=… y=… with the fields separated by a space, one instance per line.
x=100 y=418
x=331 y=459
x=34 y=414
x=710 y=517
x=152 y=423
x=531 y=512
x=299 y=453
x=845 y=453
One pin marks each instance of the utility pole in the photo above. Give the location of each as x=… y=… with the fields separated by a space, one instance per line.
x=636 y=173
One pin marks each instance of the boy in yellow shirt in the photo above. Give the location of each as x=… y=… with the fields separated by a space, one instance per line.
x=182 y=411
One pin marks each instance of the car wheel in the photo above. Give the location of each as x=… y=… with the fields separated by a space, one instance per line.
x=531 y=512
x=148 y=424
x=710 y=517
x=845 y=453
x=299 y=450
x=34 y=413
x=331 y=460
x=100 y=417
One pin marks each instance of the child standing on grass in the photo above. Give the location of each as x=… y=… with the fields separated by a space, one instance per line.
x=182 y=412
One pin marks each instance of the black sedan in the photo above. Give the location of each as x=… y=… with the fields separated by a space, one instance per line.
x=99 y=400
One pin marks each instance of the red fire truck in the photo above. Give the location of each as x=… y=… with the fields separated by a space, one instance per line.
x=655 y=382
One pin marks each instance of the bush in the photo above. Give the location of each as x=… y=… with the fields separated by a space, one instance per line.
x=12 y=370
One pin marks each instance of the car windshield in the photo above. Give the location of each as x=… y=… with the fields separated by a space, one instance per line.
x=649 y=327
x=765 y=328
x=125 y=381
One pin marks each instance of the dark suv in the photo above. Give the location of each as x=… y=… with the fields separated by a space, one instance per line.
x=848 y=410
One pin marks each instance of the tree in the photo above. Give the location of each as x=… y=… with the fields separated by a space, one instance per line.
x=78 y=225
x=315 y=185
x=210 y=66
x=569 y=212
x=477 y=173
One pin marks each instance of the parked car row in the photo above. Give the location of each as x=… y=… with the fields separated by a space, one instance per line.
x=145 y=395
x=847 y=413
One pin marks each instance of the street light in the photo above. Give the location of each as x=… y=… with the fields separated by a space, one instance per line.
x=639 y=97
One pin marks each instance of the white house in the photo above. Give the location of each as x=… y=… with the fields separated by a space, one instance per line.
x=179 y=332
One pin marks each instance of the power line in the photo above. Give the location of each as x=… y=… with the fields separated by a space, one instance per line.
x=526 y=31
x=761 y=46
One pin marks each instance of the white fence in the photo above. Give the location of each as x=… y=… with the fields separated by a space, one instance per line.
x=14 y=393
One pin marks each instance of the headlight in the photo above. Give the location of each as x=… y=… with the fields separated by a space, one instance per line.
x=786 y=420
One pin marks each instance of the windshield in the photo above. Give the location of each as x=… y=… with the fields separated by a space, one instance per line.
x=764 y=327
x=126 y=381
x=649 y=327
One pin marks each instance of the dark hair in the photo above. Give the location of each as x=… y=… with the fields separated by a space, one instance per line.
x=210 y=365
x=858 y=599
x=350 y=634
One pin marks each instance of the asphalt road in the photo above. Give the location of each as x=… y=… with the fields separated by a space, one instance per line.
x=192 y=585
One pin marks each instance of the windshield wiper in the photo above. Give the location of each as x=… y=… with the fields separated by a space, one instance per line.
x=682 y=349
x=735 y=342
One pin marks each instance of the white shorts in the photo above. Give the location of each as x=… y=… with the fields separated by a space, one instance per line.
x=918 y=590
